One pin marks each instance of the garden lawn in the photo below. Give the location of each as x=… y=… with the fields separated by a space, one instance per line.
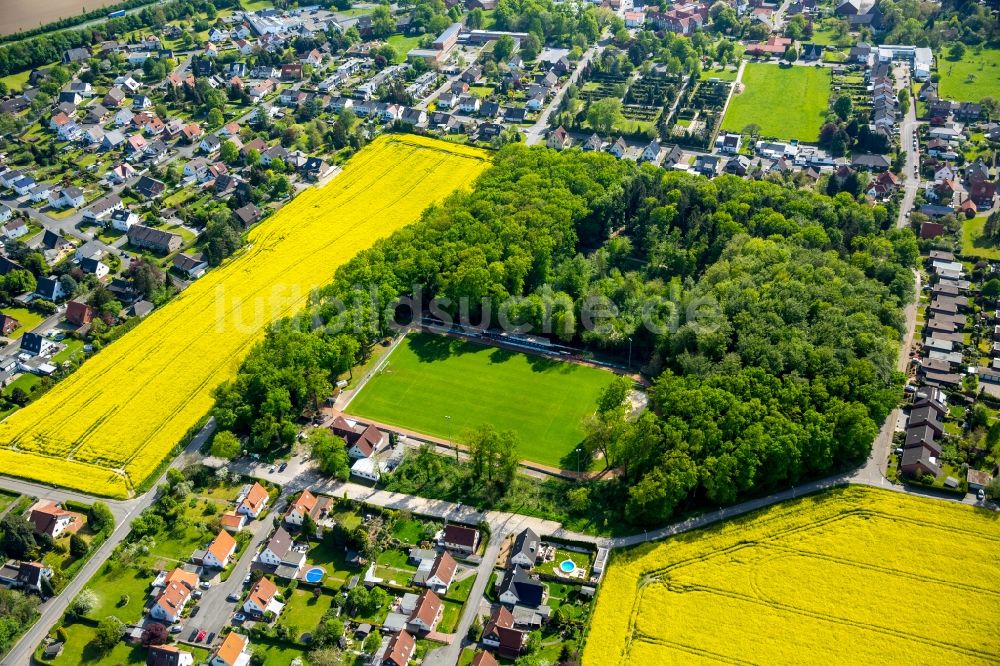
x=973 y=242
x=972 y=78
x=27 y=318
x=26 y=382
x=767 y=96
x=428 y=378
x=109 y=586
x=449 y=618
x=403 y=44
x=304 y=611
x=6 y=499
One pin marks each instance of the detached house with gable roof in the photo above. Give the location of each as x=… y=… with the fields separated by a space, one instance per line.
x=262 y=599
x=174 y=593
x=252 y=501
x=234 y=651
x=219 y=551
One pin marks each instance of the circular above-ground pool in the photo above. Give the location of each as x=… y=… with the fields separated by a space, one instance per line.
x=314 y=575
x=567 y=566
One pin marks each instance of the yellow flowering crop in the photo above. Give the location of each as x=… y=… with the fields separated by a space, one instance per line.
x=852 y=576
x=106 y=428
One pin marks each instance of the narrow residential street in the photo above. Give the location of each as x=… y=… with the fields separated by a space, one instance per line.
x=535 y=133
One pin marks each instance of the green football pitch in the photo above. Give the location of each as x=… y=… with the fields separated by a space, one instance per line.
x=430 y=377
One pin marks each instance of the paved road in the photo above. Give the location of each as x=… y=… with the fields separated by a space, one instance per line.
x=534 y=133
x=907 y=133
x=125 y=512
x=449 y=654
x=215 y=612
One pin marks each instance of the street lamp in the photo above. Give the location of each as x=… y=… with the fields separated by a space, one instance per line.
x=578 y=462
x=630 y=353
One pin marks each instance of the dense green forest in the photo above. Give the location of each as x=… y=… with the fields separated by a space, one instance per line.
x=768 y=318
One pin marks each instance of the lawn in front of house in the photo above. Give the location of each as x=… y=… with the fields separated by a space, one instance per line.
x=462 y=385
x=26 y=382
x=975 y=76
x=28 y=319
x=974 y=244
x=760 y=103
x=450 y=615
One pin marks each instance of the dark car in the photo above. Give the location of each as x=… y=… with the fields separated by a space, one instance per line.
x=283 y=467
x=194 y=632
x=194 y=611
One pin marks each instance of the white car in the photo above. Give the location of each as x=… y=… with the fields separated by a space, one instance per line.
x=204 y=585
x=239 y=617
x=981 y=495
x=176 y=629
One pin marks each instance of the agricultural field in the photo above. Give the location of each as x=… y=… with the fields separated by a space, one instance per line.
x=107 y=427
x=760 y=103
x=542 y=400
x=854 y=575
x=975 y=76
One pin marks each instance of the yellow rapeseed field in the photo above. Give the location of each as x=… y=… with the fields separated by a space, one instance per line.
x=108 y=426
x=852 y=576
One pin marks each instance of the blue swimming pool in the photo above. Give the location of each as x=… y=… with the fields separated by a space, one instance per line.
x=314 y=575
x=567 y=566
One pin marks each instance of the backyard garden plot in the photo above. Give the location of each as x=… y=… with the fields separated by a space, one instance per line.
x=785 y=102
x=107 y=427
x=429 y=377
x=975 y=76
x=853 y=575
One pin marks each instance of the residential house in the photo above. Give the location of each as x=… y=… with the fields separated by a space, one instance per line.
x=123 y=220
x=114 y=98
x=500 y=634
x=219 y=551
x=67 y=197
x=30 y=577
x=262 y=599
x=360 y=444
x=15 y=228
x=918 y=462
x=79 y=314
x=8 y=324
x=157 y=240
x=426 y=614
x=618 y=148
x=460 y=538
x=651 y=153
x=280 y=551
x=253 y=500
x=525 y=550
x=194 y=266
x=210 y=144
x=168 y=655
x=247 y=214
x=149 y=188
x=174 y=593
x=398 y=651
x=518 y=588
x=234 y=651
x=729 y=143
x=49 y=289
x=441 y=573
x=47 y=517
x=306 y=504
x=232 y=522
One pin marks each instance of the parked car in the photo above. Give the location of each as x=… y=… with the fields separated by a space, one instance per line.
x=282 y=467
x=204 y=585
x=176 y=629
x=201 y=636
x=233 y=597
x=981 y=495
x=239 y=617
x=246 y=579
x=194 y=611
